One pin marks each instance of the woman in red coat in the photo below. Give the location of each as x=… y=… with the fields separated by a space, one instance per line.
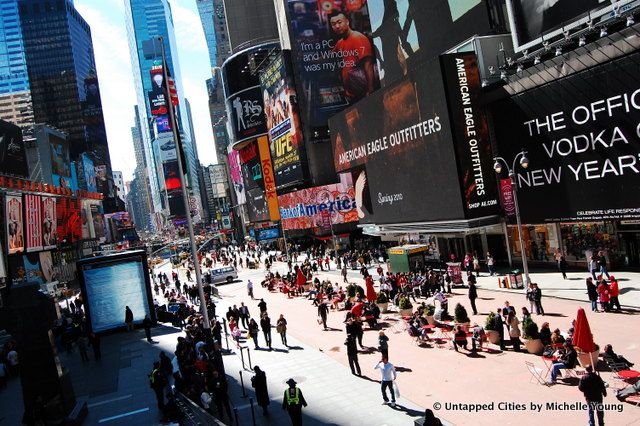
x=603 y=294
x=371 y=293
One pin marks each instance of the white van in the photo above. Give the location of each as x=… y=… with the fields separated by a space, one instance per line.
x=225 y=274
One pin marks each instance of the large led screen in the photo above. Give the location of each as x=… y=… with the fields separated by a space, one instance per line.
x=582 y=139
x=109 y=285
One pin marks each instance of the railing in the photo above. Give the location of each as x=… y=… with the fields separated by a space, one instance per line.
x=194 y=415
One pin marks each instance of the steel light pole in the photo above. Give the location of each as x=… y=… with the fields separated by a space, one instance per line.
x=522 y=159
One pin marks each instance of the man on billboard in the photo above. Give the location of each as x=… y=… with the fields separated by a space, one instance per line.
x=356 y=52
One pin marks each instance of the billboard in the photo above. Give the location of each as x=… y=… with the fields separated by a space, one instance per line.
x=218 y=174
x=14 y=223
x=308 y=208
x=251 y=168
x=283 y=121
x=247 y=119
x=257 y=205
x=268 y=178
x=581 y=137
x=167 y=147
x=265 y=234
x=33 y=222
x=13 y=157
x=408 y=32
x=236 y=176
x=69 y=220
x=394 y=132
x=335 y=58
x=162 y=124
x=89 y=172
x=157 y=102
x=49 y=223
x=110 y=283
x=60 y=162
x=471 y=135
x=531 y=20
x=97 y=216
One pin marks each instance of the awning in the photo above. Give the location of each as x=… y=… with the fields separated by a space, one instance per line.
x=328 y=237
x=440 y=227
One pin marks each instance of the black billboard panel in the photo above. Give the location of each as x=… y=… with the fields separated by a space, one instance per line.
x=13 y=157
x=531 y=20
x=257 y=205
x=157 y=102
x=402 y=134
x=408 y=32
x=582 y=139
x=335 y=58
x=470 y=135
x=247 y=114
x=250 y=166
x=283 y=121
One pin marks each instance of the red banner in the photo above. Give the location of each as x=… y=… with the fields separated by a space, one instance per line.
x=14 y=223
x=69 y=221
x=33 y=222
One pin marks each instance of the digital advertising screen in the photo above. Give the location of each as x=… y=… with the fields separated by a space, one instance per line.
x=283 y=121
x=312 y=207
x=257 y=205
x=334 y=56
x=402 y=128
x=109 y=284
x=235 y=171
x=267 y=234
x=89 y=172
x=250 y=166
x=13 y=156
x=408 y=32
x=532 y=19
x=581 y=137
x=470 y=131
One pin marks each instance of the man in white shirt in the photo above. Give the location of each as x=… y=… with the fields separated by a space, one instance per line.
x=388 y=372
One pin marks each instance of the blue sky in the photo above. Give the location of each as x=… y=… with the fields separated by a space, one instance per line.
x=107 y=21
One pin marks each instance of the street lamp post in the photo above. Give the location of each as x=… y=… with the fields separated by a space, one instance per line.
x=497 y=166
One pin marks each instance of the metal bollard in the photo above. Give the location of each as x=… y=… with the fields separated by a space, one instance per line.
x=253 y=414
x=224 y=323
x=242 y=357
x=244 y=393
x=249 y=356
x=235 y=413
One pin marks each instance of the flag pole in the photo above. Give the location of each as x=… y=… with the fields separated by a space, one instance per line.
x=185 y=194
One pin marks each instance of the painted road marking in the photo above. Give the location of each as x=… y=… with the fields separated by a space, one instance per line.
x=120 y=398
x=119 y=416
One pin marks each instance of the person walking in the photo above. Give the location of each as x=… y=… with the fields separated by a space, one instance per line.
x=281 y=328
x=293 y=402
x=530 y=298
x=344 y=272
x=514 y=331
x=383 y=344
x=262 y=306
x=537 y=299
x=594 y=389
x=259 y=383
x=250 y=289
x=265 y=324
x=593 y=266
x=158 y=382
x=82 y=347
x=490 y=264
x=562 y=264
x=473 y=295
x=94 y=342
x=253 y=332
x=146 y=323
x=221 y=395
x=243 y=312
x=614 y=292
x=128 y=318
x=388 y=375
x=602 y=263
x=352 y=355
x=592 y=293
x=323 y=311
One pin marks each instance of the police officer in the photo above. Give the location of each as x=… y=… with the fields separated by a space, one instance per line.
x=158 y=382
x=293 y=402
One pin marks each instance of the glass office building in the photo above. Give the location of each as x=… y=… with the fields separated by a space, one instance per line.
x=146 y=20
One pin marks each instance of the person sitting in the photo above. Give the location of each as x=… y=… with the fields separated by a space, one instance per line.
x=460 y=339
x=545 y=334
x=557 y=337
x=623 y=394
x=369 y=317
x=610 y=357
x=567 y=361
x=339 y=297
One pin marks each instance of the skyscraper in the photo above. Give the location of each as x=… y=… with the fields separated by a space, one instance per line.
x=146 y=20
x=65 y=93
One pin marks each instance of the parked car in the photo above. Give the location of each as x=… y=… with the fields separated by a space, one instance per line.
x=223 y=274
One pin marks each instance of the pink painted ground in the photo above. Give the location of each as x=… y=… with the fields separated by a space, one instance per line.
x=438 y=375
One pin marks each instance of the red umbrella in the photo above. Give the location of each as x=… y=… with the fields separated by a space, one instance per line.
x=582 y=336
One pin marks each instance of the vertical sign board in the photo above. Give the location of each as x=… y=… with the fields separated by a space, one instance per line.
x=269 y=179
x=33 y=222
x=470 y=133
x=49 y=223
x=15 y=224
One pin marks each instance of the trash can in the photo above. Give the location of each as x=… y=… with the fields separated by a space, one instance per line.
x=515 y=279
